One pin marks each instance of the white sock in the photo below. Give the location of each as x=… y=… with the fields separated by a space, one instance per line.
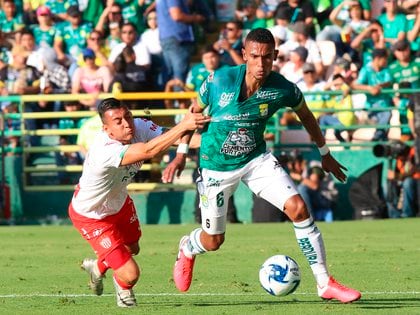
x=312 y=246
x=193 y=246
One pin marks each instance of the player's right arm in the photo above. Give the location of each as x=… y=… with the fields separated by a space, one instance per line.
x=146 y=150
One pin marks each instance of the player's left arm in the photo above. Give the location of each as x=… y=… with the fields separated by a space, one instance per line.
x=329 y=163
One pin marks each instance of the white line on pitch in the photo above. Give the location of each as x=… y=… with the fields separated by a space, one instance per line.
x=187 y=294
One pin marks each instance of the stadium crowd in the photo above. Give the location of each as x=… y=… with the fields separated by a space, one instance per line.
x=53 y=47
x=100 y=46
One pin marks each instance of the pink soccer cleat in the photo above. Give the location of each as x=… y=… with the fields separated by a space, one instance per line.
x=335 y=290
x=183 y=268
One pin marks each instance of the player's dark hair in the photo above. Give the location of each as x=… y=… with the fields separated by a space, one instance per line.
x=107 y=104
x=260 y=35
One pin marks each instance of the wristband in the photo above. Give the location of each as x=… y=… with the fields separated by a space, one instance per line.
x=182 y=148
x=324 y=150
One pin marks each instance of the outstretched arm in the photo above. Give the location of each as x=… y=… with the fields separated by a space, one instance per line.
x=144 y=151
x=329 y=163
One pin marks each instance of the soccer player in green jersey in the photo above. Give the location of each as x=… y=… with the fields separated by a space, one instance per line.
x=240 y=100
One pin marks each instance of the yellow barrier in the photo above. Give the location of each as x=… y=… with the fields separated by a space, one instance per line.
x=81 y=114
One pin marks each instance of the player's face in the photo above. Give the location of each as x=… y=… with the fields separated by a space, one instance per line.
x=259 y=59
x=119 y=124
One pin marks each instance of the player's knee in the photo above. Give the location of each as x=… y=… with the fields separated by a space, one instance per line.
x=133 y=249
x=129 y=273
x=295 y=209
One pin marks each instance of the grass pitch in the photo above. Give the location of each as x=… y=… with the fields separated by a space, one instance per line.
x=39 y=271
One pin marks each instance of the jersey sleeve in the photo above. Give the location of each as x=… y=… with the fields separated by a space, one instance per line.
x=204 y=92
x=296 y=98
x=146 y=130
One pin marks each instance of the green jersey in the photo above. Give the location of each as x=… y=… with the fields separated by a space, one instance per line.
x=235 y=134
x=409 y=73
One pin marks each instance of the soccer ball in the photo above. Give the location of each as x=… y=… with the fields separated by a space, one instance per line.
x=280 y=275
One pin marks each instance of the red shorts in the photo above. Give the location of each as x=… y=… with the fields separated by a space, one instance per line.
x=104 y=235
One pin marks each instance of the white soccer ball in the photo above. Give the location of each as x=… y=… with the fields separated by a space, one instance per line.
x=280 y=275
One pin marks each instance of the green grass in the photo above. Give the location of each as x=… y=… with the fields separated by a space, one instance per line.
x=39 y=271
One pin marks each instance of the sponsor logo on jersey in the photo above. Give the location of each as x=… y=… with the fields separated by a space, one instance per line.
x=213 y=182
x=238 y=143
x=226 y=98
x=263 y=110
x=237 y=117
x=270 y=95
x=203 y=88
x=106 y=242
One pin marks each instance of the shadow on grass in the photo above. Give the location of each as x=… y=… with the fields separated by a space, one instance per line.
x=391 y=303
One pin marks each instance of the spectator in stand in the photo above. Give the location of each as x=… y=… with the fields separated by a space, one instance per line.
x=346 y=68
x=373 y=78
x=394 y=24
x=300 y=37
x=59 y=10
x=414 y=30
x=132 y=12
x=29 y=11
x=129 y=38
x=131 y=77
x=95 y=42
x=281 y=30
x=293 y=69
x=366 y=7
x=11 y=20
x=150 y=38
x=44 y=31
x=404 y=180
x=338 y=118
x=344 y=29
x=110 y=16
x=302 y=11
x=267 y=9
x=247 y=13
x=369 y=39
x=91 y=79
x=312 y=83
x=56 y=77
x=27 y=41
x=355 y=23
x=71 y=39
x=405 y=104
x=176 y=35
x=229 y=45
x=210 y=61
x=318 y=191
x=23 y=79
x=405 y=68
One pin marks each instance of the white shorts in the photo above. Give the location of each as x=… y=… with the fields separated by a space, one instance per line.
x=263 y=175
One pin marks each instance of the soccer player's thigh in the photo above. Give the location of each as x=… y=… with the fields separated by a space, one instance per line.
x=215 y=189
x=128 y=224
x=268 y=180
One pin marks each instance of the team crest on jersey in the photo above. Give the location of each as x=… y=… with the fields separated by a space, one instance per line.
x=263 y=110
x=226 y=98
x=238 y=142
x=106 y=242
x=204 y=201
